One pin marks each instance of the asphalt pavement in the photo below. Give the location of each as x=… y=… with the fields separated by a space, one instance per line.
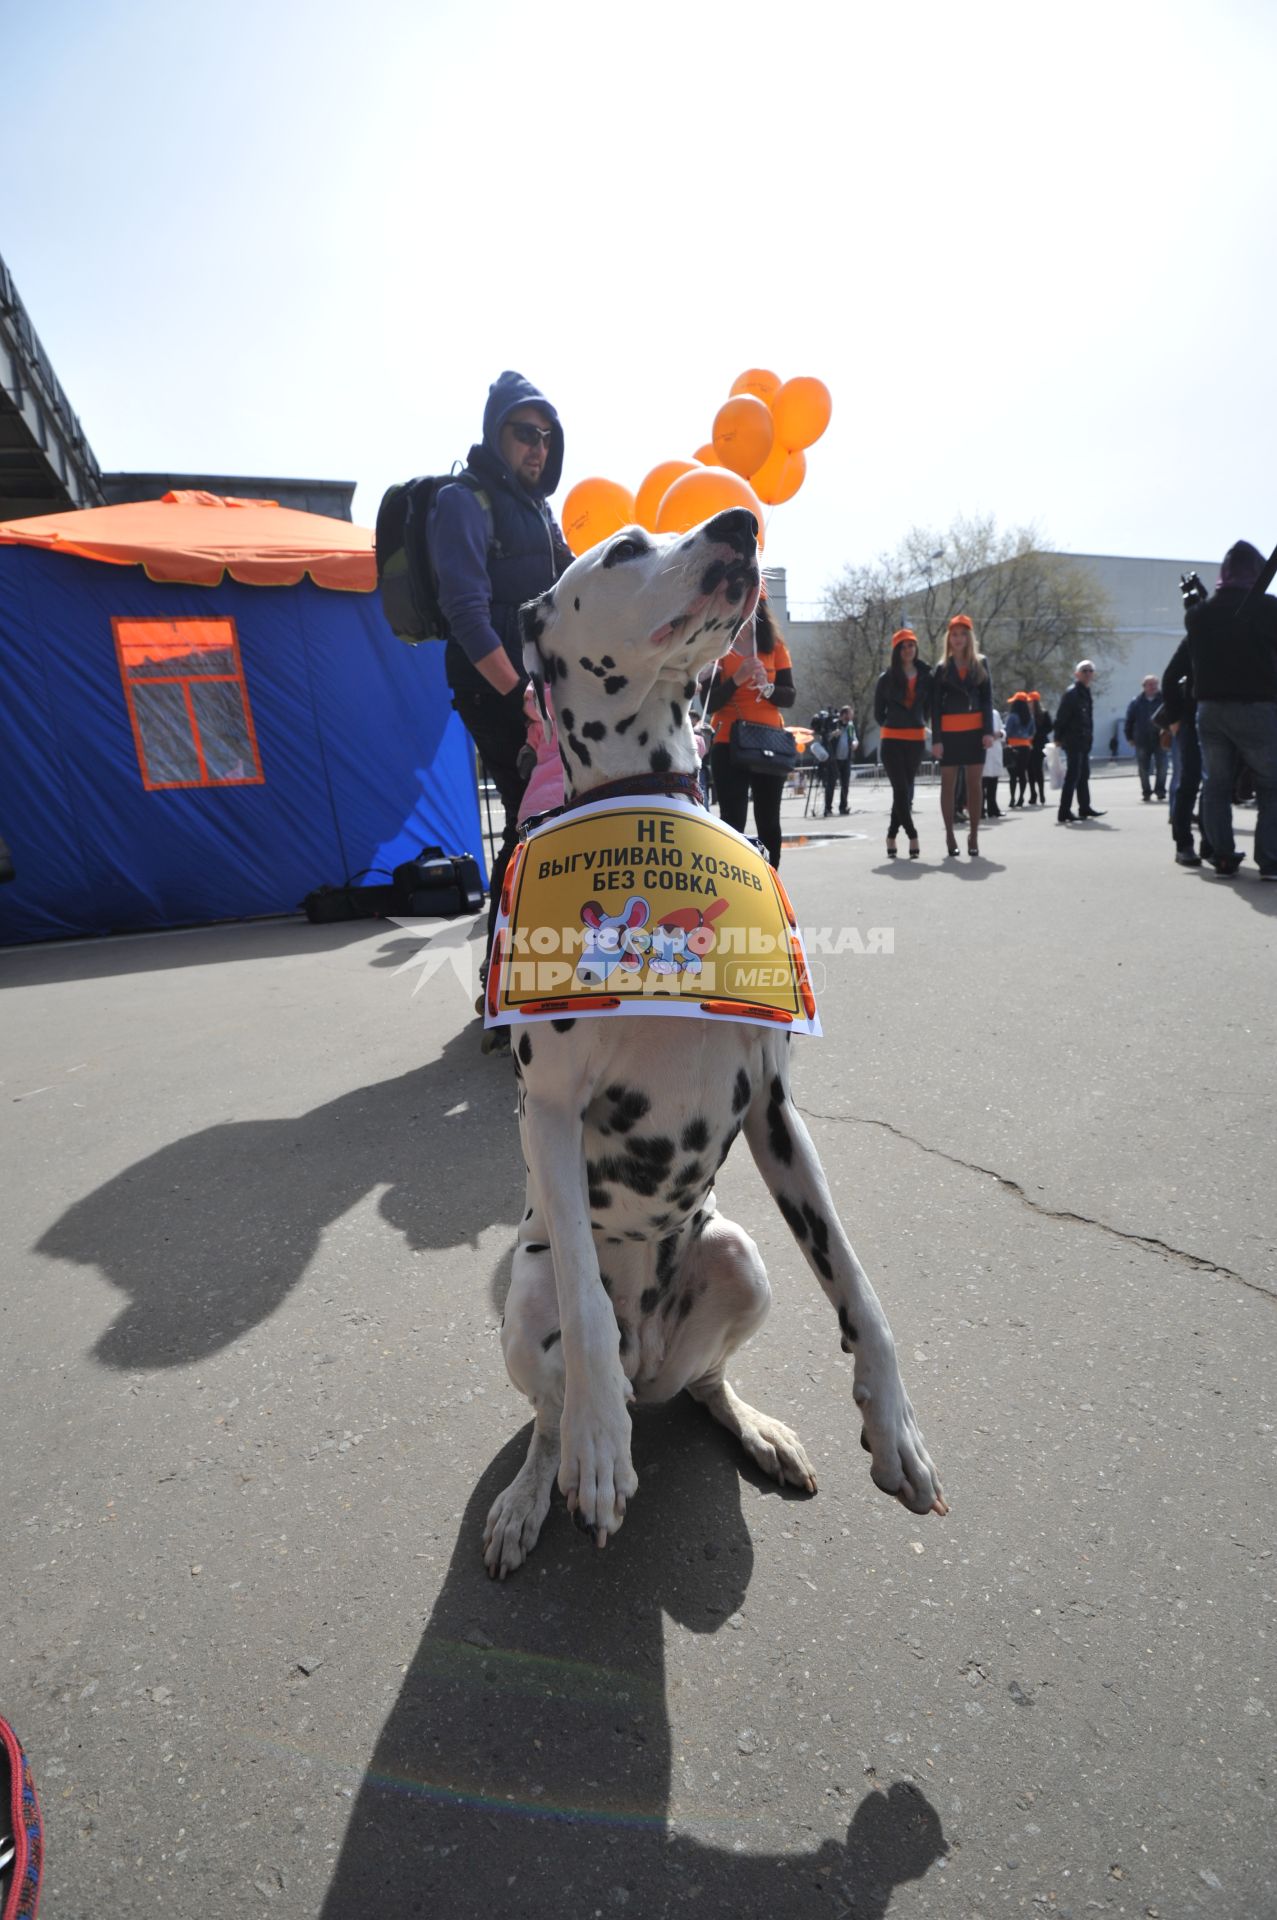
x=261 y=1193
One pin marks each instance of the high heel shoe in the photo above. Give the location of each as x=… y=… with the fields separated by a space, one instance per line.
x=891 y=849
x=913 y=849
x=951 y=847
x=973 y=848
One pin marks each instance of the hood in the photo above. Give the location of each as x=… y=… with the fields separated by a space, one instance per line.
x=508 y=391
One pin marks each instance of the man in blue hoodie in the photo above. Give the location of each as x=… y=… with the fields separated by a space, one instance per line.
x=495 y=544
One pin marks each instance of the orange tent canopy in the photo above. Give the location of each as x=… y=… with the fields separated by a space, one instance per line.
x=196 y=538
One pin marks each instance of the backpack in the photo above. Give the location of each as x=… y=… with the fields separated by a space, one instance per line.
x=407 y=580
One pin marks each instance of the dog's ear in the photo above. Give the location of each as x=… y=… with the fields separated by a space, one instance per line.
x=636 y=913
x=533 y=620
x=592 y=914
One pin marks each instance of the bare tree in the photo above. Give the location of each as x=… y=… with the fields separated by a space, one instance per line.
x=1035 y=613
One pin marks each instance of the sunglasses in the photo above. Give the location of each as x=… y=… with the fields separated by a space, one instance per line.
x=529 y=436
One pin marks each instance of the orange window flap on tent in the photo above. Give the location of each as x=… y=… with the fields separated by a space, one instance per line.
x=197 y=538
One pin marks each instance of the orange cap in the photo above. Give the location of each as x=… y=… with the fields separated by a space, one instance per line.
x=902 y=634
x=961 y=620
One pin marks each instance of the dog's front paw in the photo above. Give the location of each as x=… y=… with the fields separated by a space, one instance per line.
x=901 y=1466
x=595 y=1473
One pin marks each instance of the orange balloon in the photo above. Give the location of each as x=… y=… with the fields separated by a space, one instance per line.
x=655 y=487
x=706 y=455
x=699 y=495
x=780 y=476
x=760 y=382
x=743 y=434
x=593 y=511
x=801 y=411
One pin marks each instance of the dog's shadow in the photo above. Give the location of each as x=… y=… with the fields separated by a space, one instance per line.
x=526 y=1766
x=207 y=1236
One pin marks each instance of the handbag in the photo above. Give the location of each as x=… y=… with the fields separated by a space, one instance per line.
x=757 y=748
x=21 y=1832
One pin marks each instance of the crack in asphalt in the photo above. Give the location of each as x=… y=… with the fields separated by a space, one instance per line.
x=1147 y=1240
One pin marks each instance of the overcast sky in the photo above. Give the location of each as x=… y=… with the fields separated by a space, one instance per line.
x=1028 y=249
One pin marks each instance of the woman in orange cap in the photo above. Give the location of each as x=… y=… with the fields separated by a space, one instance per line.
x=902 y=703
x=961 y=725
x=1019 y=747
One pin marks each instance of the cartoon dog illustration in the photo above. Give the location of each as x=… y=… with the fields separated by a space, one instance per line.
x=681 y=939
x=610 y=940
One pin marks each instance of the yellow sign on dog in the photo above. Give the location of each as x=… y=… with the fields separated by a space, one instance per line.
x=651 y=906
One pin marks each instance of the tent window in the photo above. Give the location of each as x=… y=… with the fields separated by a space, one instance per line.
x=184 y=684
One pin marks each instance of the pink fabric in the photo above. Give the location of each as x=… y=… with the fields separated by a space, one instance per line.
x=545 y=789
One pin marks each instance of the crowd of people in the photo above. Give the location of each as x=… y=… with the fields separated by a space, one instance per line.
x=1211 y=722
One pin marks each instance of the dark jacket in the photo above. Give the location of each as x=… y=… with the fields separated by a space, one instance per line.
x=487 y=567
x=1074 y=726
x=1178 y=701
x=1042 y=728
x=1233 y=658
x=889 y=699
x=1018 y=721
x=949 y=694
x=1138 y=726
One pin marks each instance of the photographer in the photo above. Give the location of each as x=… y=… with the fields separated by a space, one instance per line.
x=1230 y=652
x=838 y=737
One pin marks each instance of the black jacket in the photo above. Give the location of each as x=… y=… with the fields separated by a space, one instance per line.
x=1138 y=727
x=1233 y=658
x=949 y=694
x=1074 y=726
x=889 y=700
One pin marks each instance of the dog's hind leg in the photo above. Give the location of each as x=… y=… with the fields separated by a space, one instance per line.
x=533 y=1349
x=783 y=1151
x=720 y=1300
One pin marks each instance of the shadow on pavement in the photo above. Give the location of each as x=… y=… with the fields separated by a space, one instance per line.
x=207 y=1236
x=525 y=1767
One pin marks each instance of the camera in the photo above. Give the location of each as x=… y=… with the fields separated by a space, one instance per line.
x=825 y=723
x=1191 y=590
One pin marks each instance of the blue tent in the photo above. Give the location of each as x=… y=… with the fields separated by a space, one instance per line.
x=174 y=753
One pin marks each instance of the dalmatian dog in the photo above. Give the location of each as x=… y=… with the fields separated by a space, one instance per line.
x=627 y=1284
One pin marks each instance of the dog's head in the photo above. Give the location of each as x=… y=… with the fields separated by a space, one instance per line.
x=635 y=610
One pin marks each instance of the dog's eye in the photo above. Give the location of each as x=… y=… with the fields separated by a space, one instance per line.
x=625 y=549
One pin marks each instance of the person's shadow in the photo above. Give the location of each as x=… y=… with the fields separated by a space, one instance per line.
x=525 y=1767
x=207 y=1236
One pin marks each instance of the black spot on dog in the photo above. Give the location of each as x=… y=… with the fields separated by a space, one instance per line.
x=525 y=1049
x=690 y=1176
x=819 y=1228
x=793 y=1218
x=615 y=1240
x=689 y=688
x=550 y=1340
x=822 y=1264
x=659 y=760
x=576 y=604
x=581 y=751
x=537 y=1246
x=587 y=664
x=614 y=683
x=849 y=1334
x=648 y=1299
x=778 y=1135
x=600 y=1198
x=666 y=1260
x=606 y=660
x=659 y=1221
x=685 y=1306
x=677 y=712
x=623 y=726
x=568 y=718
x=594 y=730
x=628 y=1106
x=533 y=625
x=563 y=1026
x=727 y=1145
x=741 y=1092
x=528 y=1214
x=695 y=1136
